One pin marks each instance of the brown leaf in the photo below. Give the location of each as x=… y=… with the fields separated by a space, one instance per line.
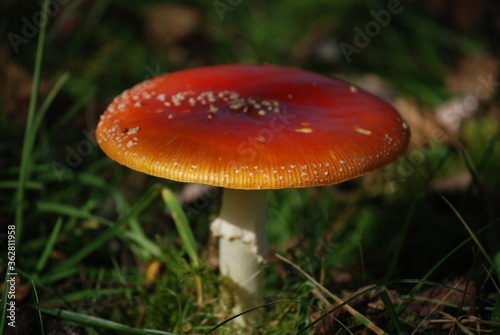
x=377 y=86
x=435 y=299
x=474 y=81
x=453 y=113
x=454 y=183
x=425 y=127
x=167 y=23
x=465 y=80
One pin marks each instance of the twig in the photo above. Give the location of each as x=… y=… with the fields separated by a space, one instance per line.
x=360 y=317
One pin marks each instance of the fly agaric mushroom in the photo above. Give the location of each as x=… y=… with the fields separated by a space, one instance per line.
x=249 y=128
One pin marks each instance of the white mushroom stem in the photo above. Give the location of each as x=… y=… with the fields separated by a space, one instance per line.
x=243 y=245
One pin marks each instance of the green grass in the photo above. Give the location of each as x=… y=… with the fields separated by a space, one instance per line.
x=101 y=249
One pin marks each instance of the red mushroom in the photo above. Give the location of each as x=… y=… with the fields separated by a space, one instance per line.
x=249 y=128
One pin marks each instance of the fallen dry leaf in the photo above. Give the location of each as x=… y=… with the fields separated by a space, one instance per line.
x=425 y=127
x=453 y=113
x=167 y=23
x=466 y=78
x=436 y=299
x=475 y=82
x=454 y=183
x=154 y=269
x=377 y=86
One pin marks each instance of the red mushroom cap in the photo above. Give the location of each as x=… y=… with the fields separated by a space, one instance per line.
x=251 y=127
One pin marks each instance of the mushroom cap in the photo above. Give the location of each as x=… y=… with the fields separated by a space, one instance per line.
x=251 y=127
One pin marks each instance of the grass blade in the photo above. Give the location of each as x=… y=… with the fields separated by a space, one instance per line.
x=48 y=100
x=49 y=246
x=71 y=112
x=3 y=303
x=38 y=307
x=326 y=313
x=393 y=316
x=98 y=322
x=357 y=315
x=29 y=136
x=471 y=233
x=63 y=209
x=441 y=261
x=185 y=233
x=83 y=295
x=496 y=309
x=136 y=235
x=182 y=224
x=57 y=275
x=31 y=185
x=113 y=231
